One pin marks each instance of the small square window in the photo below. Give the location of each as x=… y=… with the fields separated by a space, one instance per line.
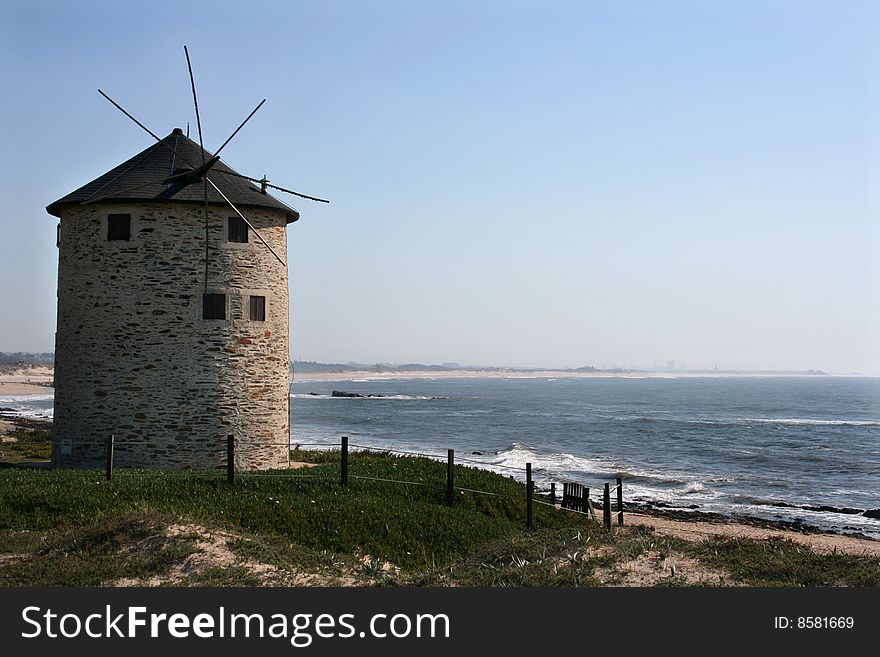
x=238 y=230
x=213 y=306
x=258 y=309
x=119 y=227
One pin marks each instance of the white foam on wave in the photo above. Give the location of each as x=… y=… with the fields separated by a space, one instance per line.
x=743 y=420
x=19 y=399
x=29 y=406
x=792 y=421
x=687 y=493
x=32 y=412
x=36 y=413
x=518 y=455
x=811 y=421
x=641 y=484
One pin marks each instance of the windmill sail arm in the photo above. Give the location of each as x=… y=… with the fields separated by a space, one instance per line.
x=192 y=80
x=281 y=189
x=290 y=191
x=120 y=108
x=228 y=139
x=250 y=225
x=147 y=130
x=195 y=175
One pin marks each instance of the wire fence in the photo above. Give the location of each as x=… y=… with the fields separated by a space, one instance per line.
x=575 y=498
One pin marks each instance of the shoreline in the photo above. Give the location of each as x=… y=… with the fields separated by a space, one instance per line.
x=16 y=388
x=700 y=529
x=703 y=525
x=37 y=380
x=687 y=524
x=31 y=381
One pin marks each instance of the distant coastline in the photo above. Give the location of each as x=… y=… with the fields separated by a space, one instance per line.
x=27 y=373
x=312 y=371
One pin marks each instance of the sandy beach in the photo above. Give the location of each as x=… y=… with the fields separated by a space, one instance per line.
x=701 y=530
x=31 y=381
x=11 y=388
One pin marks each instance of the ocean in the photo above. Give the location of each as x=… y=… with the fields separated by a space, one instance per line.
x=766 y=447
x=803 y=449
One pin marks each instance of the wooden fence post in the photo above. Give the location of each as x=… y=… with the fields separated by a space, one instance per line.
x=345 y=460
x=529 y=493
x=552 y=492
x=110 y=442
x=230 y=459
x=606 y=507
x=586 y=500
x=590 y=504
x=620 y=501
x=450 y=475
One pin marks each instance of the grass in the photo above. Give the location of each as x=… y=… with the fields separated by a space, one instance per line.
x=70 y=528
x=777 y=562
x=91 y=554
x=408 y=525
x=217 y=576
x=28 y=445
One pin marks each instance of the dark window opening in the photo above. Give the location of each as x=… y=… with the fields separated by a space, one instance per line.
x=213 y=306
x=119 y=227
x=258 y=309
x=238 y=230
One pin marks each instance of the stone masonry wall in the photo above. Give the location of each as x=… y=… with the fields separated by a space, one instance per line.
x=134 y=358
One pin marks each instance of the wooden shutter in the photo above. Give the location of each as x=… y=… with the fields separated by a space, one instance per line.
x=119 y=227
x=258 y=309
x=237 y=230
x=213 y=306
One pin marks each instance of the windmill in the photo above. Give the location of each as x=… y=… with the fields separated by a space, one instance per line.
x=149 y=348
x=197 y=172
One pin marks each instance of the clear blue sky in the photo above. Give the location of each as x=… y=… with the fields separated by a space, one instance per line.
x=512 y=183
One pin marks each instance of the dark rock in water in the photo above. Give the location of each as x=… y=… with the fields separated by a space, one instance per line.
x=315 y=394
x=477 y=453
x=872 y=513
x=832 y=509
x=357 y=395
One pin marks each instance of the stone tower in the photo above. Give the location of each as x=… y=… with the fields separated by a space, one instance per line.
x=172 y=330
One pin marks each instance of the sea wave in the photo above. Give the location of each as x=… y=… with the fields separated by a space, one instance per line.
x=33 y=406
x=723 y=422
x=518 y=455
x=18 y=399
x=811 y=421
x=31 y=412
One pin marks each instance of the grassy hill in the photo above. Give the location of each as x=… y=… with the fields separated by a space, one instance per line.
x=301 y=527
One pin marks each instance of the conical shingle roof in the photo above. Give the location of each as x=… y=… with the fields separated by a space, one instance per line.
x=144 y=179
